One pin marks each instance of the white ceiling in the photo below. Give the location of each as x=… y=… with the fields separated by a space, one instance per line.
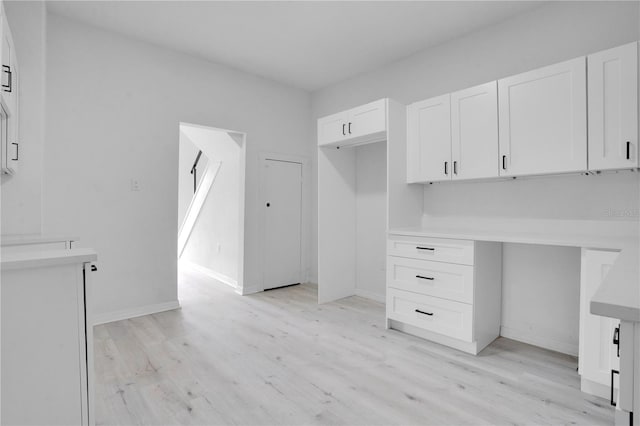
x=309 y=44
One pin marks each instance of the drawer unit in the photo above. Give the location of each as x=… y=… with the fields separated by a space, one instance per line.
x=453 y=319
x=445 y=290
x=446 y=280
x=435 y=249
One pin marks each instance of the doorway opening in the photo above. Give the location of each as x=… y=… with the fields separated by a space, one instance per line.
x=211 y=194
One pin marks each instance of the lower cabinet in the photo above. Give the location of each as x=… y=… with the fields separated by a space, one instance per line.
x=448 y=291
x=598 y=357
x=47 y=339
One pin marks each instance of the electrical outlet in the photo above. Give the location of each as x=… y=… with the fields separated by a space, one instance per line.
x=135 y=185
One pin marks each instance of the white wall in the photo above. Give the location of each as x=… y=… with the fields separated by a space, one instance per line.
x=22 y=193
x=540 y=295
x=371 y=220
x=186 y=156
x=113 y=110
x=214 y=241
x=550 y=33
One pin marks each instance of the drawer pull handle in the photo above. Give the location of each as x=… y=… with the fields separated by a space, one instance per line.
x=8 y=87
x=431 y=314
x=424 y=278
x=613 y=372
x=425 y=248
x=628 y=150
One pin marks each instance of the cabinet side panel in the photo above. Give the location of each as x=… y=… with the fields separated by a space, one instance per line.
x=40 y=357
x=404 y=201
x=336 y=223
x=487 y=292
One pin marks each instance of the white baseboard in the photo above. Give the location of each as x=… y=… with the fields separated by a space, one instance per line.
x=546 y=342
x=135 y=312
x=210 y=273
x=371 y=295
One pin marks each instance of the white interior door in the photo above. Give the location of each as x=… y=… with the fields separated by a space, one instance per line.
x=283 y=220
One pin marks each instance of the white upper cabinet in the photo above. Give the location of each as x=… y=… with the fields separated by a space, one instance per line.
x=474 y=132
x=332 y=128
x=9 y=120
x=363 y=124
x=613 y=108
x=429 y=140
x=543 y=120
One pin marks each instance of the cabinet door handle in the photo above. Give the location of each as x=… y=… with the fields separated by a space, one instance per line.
x=446 y=167
x=504 y=162
x=349 y=127
x=455 y=167
x=17 y=151
x=423 y=312
x=94 y=268
x=425 y=248
x=343 y=132
x=616 y=338
x=613 y=372
x=8 y=87
x=628 y=150
x=422 y=277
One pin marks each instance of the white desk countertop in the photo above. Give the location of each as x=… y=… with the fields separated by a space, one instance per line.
x=16 y=240
x=619 y=294
x=42 y=258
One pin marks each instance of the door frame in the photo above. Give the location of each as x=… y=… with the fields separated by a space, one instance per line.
x=305 y=211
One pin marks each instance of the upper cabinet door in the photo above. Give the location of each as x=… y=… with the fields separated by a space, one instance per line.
x=367 y=119
x=332 y=128
x=8 y=77
x=429 y=140
x=613 y=108
x=474 y=132
x=543 y=120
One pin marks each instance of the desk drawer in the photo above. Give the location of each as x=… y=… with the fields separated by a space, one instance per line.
x=452 y=319
x=435 y=249
x=447 y=280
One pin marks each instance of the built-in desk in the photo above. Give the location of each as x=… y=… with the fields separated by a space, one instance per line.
x=422 y=284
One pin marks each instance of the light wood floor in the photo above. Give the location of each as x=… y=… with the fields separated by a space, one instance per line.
x=278 y=358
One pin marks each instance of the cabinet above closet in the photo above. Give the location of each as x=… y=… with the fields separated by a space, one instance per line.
x=364 y=124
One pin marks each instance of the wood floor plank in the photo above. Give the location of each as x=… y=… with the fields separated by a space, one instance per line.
x=280 y=358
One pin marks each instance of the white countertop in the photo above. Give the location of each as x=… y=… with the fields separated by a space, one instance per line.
x=619 y=294
x=16 y=240
x=40 y=258
x=571 y=233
